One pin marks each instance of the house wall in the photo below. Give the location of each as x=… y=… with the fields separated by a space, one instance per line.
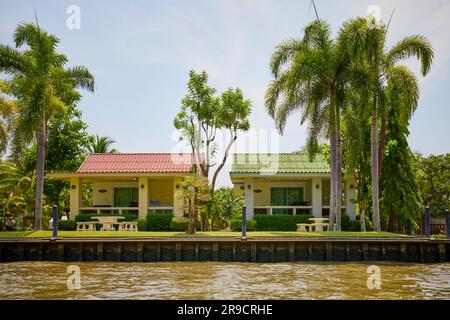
x=162 y=191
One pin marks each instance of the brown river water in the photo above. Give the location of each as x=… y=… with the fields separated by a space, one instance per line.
x=48 y=280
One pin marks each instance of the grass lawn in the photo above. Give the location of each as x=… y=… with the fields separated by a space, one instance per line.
x=205 y=234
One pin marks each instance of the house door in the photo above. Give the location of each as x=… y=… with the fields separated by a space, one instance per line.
x=283 y=196
x=126 y=197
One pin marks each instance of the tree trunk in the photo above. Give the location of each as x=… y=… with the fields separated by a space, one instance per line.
x=332 y=182
x=374 y=167
x=191 y=220
x=338 y=212
x=40 y=169
x=382 y=143
x=362 y=216
x=224 y=160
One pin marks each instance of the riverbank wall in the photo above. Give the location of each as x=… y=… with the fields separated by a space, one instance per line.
x=225 y=249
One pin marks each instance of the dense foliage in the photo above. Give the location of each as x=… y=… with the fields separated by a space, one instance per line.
x=433 y=176
x=280 y=222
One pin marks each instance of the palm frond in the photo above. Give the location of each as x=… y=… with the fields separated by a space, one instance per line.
x=413 y=46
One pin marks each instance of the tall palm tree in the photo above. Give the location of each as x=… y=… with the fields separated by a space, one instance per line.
x=100 y=144
x=366 y=42
x=37 y=72
x=311 y=75
x=7 y=107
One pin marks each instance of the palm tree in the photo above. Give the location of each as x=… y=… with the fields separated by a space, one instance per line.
x=98 y=144
x=7 y=108
x=366 y=41
x=37 y=73
x=311 y=75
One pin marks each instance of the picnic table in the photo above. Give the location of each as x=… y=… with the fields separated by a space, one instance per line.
x=319 y=223
x=316 y=225
x=108 y=222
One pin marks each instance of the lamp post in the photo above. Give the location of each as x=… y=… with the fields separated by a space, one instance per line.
x=447 y=222
x=427 y=221
x=244 y=224
x=55 y=222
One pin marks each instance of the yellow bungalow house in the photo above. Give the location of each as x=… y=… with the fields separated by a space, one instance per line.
x=287 y=183
x=128 y=182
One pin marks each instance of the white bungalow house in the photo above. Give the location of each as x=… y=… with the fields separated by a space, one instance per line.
x=128 y=182
x=287 y=183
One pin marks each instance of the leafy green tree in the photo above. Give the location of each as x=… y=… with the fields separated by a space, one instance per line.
x=311 y=75
x=203 y=114
x=198 y=119
x=17 y=187
x=37 y=74
x=433 y=176
x=400 y=201
x=233 y=116
x=223 y=206
x=100 y=144
x=365 y=41
x=356 y=156
x=196 y=194
x=7 y=107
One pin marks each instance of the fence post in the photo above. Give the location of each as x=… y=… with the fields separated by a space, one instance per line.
x=244 y=223
x=427 y=221
x=447 y=223
x=55 y=221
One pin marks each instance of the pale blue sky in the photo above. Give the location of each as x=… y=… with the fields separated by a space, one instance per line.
x=140 y=53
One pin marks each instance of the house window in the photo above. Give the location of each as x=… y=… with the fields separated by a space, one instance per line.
x=126 y=197
x=283 y=196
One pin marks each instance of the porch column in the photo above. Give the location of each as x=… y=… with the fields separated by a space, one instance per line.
x=178 y=205
x=349 y=196
x=75 y=197
x=249 y=199
x=143 y=197
x=316 y=196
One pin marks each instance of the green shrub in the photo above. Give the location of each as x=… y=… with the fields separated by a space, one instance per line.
x=67 y=225
x=142 y=224
x=2 y=225
x=159 y=221
x=236 y=225
x=345 y=222
x=280 y=222
x=369 y=224
x=355 y=225
x=177 y=225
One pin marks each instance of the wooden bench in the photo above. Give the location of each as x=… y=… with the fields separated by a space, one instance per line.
x=86 y=226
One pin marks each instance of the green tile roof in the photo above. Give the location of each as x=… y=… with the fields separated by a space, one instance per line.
x=278 y=163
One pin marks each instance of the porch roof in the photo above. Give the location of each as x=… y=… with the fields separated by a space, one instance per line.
x=131 y=163
x=136 y=163
x=278 y=163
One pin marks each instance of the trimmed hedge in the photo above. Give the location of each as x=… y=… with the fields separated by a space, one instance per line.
x=236 y=225
x=280 y=222
x=67 y=225
x=159 y=221
x=178 y=225
x=142 y=224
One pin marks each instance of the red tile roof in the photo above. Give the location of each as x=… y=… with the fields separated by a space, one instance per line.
x=137 y=163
